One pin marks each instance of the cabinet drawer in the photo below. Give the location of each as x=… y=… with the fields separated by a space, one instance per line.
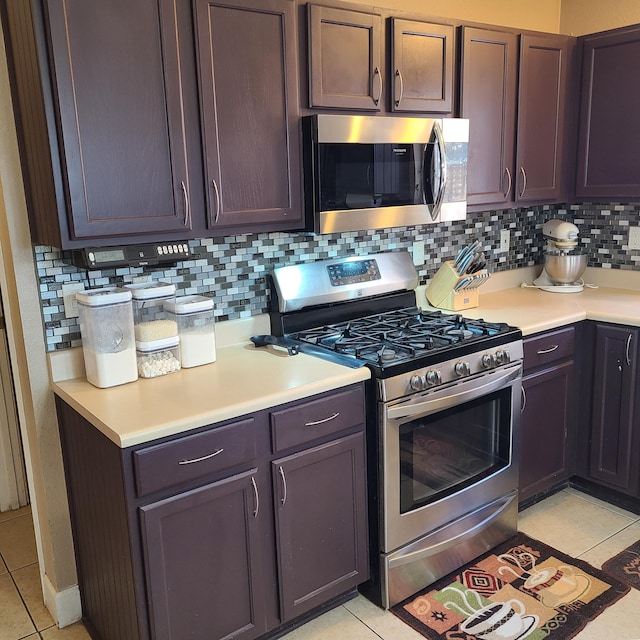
x=549 y=347
x=192 y=457
x=316 y=419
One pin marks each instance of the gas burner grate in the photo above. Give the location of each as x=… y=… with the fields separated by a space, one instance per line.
x=400 y=335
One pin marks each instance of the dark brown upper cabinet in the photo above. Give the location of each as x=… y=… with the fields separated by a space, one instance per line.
x=124 y=126
x=609 y=129
x=488 y=94
x=515 y=90
x=115 y=144
x=541 y=156
x=249 y=103
x=422 y=57
x=345 y=59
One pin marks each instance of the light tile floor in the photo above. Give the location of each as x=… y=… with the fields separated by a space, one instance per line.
x=22 y=610
x=570 y=521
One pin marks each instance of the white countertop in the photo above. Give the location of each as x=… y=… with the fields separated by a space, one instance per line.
x=245 y=379
x=535 y=310
x=242 y=380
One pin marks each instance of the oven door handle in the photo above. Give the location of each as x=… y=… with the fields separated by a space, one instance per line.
x=470 y=391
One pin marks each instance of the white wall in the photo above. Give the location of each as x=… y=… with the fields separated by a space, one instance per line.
x=36 y=410
x=579 y=17
x=539 y=15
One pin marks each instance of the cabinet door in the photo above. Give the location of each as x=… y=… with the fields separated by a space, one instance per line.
x=609 y=124
x=614 y=459
x=544 y=426
x=249 y=94
x=488 y=99
x=543 y=90
x=345 y=60
x=119 y=71
x=203 y=562
x=422 y=63
x=321 y=529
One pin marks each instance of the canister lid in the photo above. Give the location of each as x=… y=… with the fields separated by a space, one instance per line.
x=103 y=296
x=155 y=345
x=188 y=304
x=148 y=290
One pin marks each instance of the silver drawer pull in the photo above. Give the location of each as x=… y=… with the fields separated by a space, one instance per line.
x=211 y=455
x=541 y=352
x=329 y=419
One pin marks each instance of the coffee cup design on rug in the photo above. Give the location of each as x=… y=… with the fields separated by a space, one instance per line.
x=495 y=621
x=554 y=586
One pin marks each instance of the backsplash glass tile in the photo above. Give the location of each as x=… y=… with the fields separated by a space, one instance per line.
x=233 y=270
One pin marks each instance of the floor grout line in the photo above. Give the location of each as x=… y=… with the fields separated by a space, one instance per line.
x=613 y=535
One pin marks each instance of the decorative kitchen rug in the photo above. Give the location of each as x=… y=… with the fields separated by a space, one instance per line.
x=626 y=565
x=521 y=589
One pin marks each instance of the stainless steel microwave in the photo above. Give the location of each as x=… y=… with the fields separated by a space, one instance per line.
x=376 y=172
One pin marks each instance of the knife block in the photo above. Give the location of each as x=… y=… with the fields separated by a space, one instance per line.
x=440 y=291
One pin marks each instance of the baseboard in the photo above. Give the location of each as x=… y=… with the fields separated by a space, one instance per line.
x=64 y=606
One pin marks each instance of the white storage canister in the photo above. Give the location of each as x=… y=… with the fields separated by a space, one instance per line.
x=194 y=316
x=158 y=357
x=108 y=344
x=149 y=316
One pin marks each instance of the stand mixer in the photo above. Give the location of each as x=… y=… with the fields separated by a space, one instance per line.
x=564 y=264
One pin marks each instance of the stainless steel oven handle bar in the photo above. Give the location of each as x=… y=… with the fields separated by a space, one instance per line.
x=415 y=552
x=425 y=404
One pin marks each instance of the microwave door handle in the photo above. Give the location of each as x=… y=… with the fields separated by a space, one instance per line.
x=427 y=174
x=443 y=171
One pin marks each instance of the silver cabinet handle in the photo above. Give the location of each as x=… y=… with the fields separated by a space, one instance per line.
x=256 y=496
x=399 y=98
x=216 y=209
x=508 y=191
x=376 y=72
x=524 y=181
x=524 y=399
x=187 y=209
x=541 y=352
x=329 y=419
x=207 y=457
x=628 y=354
x=284 y=486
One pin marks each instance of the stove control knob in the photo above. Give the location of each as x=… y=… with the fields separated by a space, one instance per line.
x=488 y=361
x=503 y=356
x=418 y=383
x=462 y=369
x=433 y=378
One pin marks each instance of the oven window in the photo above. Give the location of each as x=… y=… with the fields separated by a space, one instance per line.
x=448 y=451
x=362 y=176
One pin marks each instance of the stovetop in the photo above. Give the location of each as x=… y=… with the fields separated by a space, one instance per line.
x=364 y=307
x=408 y=338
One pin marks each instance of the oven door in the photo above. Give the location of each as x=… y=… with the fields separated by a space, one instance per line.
x=448 y=452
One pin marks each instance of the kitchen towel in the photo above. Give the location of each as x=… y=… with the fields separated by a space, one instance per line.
x=521 y=589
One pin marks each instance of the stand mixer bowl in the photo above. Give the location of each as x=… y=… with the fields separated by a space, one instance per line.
x=565 y=267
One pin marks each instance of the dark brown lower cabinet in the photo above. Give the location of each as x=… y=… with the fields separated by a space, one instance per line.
x=544 y=421
x=203 y=547
x=547 y=411
x=614 y=457
x=319 y=528
x=227 y=531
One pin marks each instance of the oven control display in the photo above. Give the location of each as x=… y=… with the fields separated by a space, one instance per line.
x=353 y=272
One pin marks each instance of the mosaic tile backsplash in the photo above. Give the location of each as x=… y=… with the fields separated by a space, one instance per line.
x=233 y=270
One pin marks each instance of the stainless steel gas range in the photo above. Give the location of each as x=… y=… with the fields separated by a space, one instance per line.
x=443 y=412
